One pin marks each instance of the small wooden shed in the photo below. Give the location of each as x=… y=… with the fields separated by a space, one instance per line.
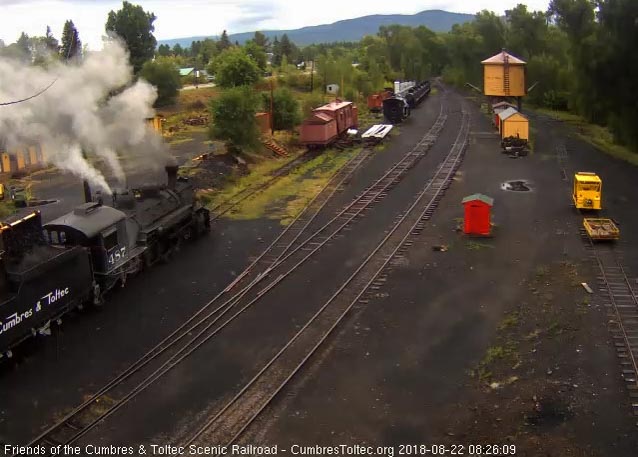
x=497 y=109
x=513 y=124
x=477 y=210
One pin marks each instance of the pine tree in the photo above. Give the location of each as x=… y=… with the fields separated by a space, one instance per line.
x=71 y=48
x=224 y=42
x=50 y=42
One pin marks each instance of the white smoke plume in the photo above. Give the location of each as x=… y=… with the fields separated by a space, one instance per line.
x=80 y=113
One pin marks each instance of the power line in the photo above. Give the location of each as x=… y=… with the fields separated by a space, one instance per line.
x=14 y=102
x=68 y=54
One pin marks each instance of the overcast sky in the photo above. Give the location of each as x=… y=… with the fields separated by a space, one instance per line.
x=185 y=18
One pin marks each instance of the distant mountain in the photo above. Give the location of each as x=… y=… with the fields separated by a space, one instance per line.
x=347 y=30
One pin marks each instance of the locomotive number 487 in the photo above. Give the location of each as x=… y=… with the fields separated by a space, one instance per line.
x=116 y=255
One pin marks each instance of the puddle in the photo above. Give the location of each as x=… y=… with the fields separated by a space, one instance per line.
x=516 y=186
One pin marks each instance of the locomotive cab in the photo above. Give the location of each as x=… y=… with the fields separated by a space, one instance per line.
x=101 y=229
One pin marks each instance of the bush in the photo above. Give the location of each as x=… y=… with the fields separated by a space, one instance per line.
x=310 y=102
x=233 y=117
x=286 y=113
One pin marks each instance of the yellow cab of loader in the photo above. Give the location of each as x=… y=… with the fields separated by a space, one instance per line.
x=587 y=191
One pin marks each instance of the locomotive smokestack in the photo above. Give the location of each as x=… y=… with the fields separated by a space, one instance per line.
x=171 y=173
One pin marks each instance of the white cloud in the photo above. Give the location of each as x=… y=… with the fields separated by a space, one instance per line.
x=202 y=17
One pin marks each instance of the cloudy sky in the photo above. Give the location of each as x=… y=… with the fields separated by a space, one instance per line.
x=182 y=18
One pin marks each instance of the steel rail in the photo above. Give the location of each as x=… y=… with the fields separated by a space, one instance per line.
x=449 y=166
x=618 y=288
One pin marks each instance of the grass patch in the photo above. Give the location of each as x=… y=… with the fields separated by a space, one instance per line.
x=542 y=271
x=285 y=198
x=510 y=320
x=475 y=246
x=596 y=135
x=7 y=208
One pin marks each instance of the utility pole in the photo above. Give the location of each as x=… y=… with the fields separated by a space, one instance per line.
x=272 y=111
x=312 y=74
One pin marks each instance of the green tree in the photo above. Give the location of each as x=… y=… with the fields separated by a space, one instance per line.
x=50 y=42
x=164 y=75
x=224 y=42
x=23 y=44
x=233 y=118
x=257 y=53
x=492 y=30
x=261 y=40
x=135 y=27
x=235 y=68
x=286 y=112
x=71 y=48
x=178 y=50
x=526 y=31
x=164 y=50
x=276 y=52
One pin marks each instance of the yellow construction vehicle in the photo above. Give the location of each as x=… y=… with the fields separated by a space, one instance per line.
x=587 y=191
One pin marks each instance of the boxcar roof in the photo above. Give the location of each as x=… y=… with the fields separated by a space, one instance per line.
x=318 y=118
x=89 y=218
x=333 y=106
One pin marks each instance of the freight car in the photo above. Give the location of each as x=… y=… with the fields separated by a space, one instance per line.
x=75 y=259
x=328 y=123
x=417 y=93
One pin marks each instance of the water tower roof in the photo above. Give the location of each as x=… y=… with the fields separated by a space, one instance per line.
x=500 y=59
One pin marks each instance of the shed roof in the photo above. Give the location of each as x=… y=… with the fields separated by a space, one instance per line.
x=186 y=71
x=484 y=198
x=502 y=104
x=499 y=59
x=89 y=218
x=509 y=112
x=333 y=106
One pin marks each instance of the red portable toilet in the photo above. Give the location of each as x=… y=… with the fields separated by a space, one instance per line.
x=477 y=214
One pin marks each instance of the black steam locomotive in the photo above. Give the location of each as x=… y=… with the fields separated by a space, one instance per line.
x=45 y=271
x=398 y=107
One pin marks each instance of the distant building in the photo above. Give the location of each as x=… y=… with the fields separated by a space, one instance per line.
x=186 y=71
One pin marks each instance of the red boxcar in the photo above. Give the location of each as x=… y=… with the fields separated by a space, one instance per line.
x=318 y=130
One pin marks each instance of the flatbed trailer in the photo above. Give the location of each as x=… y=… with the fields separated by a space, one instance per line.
x=601 y=229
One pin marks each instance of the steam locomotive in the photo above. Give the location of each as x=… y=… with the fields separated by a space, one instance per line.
x=406 y=97
x=48 y=270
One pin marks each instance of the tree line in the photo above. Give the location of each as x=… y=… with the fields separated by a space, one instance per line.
x=580 y=52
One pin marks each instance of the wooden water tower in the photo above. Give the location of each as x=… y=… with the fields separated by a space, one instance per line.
x=504 y=78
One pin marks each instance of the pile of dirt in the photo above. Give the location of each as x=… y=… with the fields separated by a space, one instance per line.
x=212 y=171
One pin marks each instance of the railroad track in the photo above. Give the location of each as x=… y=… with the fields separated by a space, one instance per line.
x=227 y=205
x=228 y=424
x=621 y=302
x=201 y=327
